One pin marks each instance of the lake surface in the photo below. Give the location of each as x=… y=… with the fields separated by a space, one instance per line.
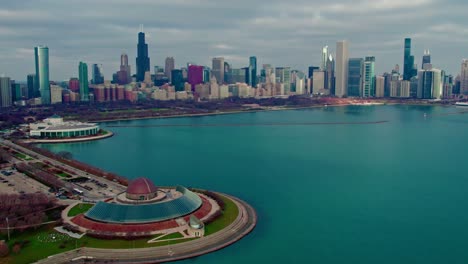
x=394 y=192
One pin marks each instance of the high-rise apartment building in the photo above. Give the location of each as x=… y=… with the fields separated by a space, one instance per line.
x=83 y=78
x=379 y=86
x=464 y=77
x=409 y=69
x=41 y=54
x=142 y=59
x=368 y=77
x=169 y=66
x=283 y=75
x=341 y=68
x=217 y=69
x=355 y=68
x=5 y=92
x=74 y=85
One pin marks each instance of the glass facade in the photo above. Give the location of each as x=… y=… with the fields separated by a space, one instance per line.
x=177 y=80
x=41 y=54
x=368 y=86
x=68 y=134
x=83 y=76
x=253 y=71
x=355 y=68
x=142 y=60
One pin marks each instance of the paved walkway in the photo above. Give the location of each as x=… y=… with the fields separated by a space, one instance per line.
x=242 y=225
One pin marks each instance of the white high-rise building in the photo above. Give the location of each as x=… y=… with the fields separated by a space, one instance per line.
x=464 y=77
x=379 y=86
x=341 y=68
x=169 y=66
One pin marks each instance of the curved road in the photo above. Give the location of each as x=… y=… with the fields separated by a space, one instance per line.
x=242 y=225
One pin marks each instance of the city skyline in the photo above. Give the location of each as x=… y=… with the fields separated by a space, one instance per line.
x=277 y=34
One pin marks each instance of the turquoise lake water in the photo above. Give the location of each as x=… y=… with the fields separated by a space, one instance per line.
x=394 y=192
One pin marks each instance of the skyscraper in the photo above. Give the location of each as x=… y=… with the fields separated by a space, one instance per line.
x=83 y=77
x=5 y=92
x=283 y=75
x=74 y=85
x=368 y=78
x=217 y=69
x=142 y=60
x=426 y=59
x=177 y=80
x=341 y=72
x=124 y=75
x=195 y=75
x=355 y=68
x=253 y=71
x=41 y=54
x=408 y=62
x=323 y=65
x=430 y=83
x=98 y=77
x=32 y=86
x=170 y=65
x=464 y=77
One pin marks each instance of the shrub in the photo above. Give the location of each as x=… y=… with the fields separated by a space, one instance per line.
x=4 y=250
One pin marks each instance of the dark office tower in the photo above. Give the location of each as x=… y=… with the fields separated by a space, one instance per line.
x=253 y=71
x=227 y=71
x=408 y=62
x=195 y=75
x=5 y=92
x=311 y=70
x=32 y=86
x=142 y=60
x=426 y=59
x=177 y=80
x=83 y=77
x=98 y=77
x=355 y=68
x=206 y=74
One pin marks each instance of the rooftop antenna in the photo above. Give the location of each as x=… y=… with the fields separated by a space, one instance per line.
x=141 y=27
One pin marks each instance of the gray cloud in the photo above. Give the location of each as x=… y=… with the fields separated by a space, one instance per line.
x=281 y=33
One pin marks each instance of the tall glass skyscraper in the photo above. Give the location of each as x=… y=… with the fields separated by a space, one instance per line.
x=253 y=71
x=41 y=55
x=355 y=68
x=142 y=60
x=408 y=62
x=83 y=76
x=368 y=85
x=426 y=59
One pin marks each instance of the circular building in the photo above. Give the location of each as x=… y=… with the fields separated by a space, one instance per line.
x=55 y=127
x=141 y=189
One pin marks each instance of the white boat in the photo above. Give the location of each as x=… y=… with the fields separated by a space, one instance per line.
x=465 y=104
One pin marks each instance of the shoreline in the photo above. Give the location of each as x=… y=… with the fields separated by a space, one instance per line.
x=258 y=110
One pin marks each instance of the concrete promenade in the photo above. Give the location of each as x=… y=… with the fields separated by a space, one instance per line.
x=240 y=227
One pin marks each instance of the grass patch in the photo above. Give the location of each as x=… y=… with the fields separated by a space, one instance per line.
x=159 y=109
x=41 y=245
x=21 y=156
x=230 y=214
x=79 y=209
x=64 y=175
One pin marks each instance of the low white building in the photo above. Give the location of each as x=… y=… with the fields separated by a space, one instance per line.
x=55 y=127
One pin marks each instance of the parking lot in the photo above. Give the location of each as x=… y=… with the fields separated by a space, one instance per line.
x=12 y=181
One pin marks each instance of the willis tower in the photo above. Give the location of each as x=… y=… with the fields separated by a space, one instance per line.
x=142 y=60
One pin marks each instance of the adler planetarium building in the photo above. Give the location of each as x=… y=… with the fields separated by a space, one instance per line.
x=144 y=209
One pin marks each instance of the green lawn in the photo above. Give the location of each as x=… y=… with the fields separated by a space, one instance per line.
x=39 y=248
x=79 y=209
x=64 y=175
x=21 y=156
x=230 y=213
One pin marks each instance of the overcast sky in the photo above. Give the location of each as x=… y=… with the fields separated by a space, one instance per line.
x=278 y=32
